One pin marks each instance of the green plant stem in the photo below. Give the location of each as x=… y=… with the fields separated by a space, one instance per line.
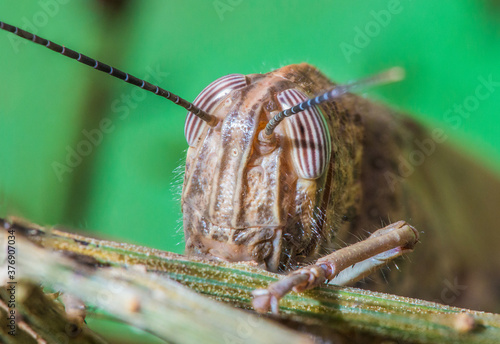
x=328 y=312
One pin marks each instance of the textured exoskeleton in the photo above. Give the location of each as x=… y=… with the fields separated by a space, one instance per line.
x=333 y=173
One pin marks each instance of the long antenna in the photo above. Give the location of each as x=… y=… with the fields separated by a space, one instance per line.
x=102 y=67
x=391 y=75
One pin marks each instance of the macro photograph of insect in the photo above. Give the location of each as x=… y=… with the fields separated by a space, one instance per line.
x=234 y=171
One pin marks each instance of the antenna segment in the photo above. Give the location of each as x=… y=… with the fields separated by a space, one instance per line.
x=391 y=75
x=102 y=67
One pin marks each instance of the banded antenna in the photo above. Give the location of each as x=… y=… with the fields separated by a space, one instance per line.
x=391 y=75
x=211 y=120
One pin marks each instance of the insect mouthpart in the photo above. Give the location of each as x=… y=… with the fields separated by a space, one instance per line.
x=261 y=245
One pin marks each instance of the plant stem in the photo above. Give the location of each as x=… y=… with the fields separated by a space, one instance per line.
x=341 y=313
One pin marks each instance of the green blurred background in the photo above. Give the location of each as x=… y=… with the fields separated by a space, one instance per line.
x=128 y=187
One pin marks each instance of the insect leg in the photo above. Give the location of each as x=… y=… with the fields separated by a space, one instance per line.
x=356 y=260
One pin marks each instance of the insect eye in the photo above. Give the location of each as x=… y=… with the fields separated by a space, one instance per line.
x=208 y=100
x=309 y=134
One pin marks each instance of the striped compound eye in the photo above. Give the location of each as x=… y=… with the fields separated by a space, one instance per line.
x=208 y=100
x=309 y=134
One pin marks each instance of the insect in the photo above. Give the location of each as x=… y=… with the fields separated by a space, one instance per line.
x=278 y=194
